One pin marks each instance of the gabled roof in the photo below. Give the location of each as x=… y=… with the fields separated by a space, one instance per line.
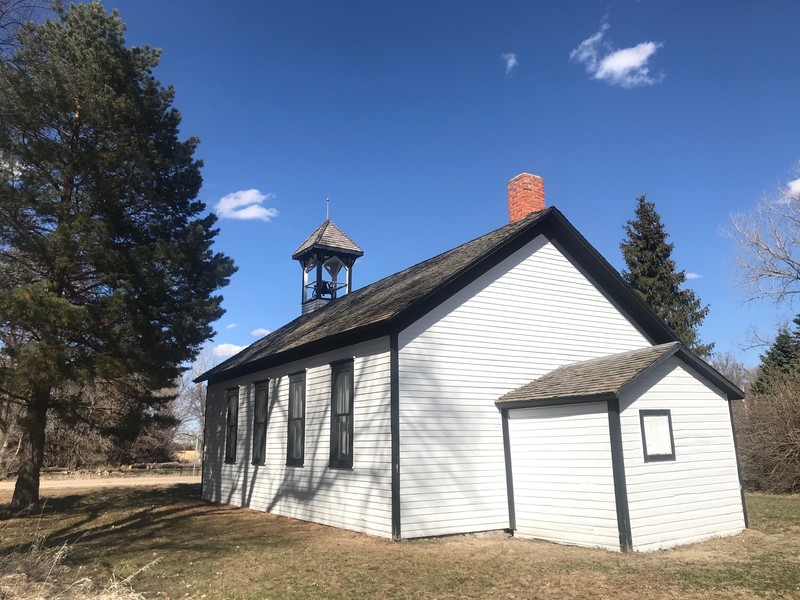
x=391 y=304
x=328 y=237
x=606 y=377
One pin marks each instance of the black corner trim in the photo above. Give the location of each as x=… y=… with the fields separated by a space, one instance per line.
x=394 y=419
x=618 y=469
x=203 y=449
x=738 y=466
x=512 y=511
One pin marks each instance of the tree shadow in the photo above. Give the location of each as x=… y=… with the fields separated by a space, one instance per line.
x=288 y=490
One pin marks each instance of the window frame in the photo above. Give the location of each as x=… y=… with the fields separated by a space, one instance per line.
x=648 y=457
x=231 y=425
x=259 y=456
x=292 y=461
x=338 y=459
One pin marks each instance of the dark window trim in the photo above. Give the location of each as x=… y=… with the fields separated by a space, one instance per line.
x=657 y=413
x=290 y=461
x=231 y=429
x=260 y=447
x=338 y=460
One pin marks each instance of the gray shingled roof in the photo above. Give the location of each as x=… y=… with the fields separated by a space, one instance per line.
x=329 y=237
x=604 y=376
x=374 y=304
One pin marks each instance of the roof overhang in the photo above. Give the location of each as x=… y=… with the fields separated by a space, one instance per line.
x=555 y=401
x=729 y=390
x=549 y=223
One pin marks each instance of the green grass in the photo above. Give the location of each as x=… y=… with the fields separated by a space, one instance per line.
x=774 y=514
x=223 y=552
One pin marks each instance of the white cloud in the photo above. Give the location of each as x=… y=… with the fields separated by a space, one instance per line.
x=510 y=59
x=690 y=276
x=231 y=325
x=227 y=349
x=793 y=190
x=627 y=68
x=586 y=52
x=260 y=332
x=245 y=205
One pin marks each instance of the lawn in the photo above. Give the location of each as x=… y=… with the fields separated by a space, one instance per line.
x=209 y=551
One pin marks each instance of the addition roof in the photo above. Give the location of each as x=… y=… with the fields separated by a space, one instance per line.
x=606 y=377
x=329 y=237
x=391 y=304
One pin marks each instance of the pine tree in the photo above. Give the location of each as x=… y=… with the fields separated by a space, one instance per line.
x=782 y=358
x=653 y=273
x=107 y=276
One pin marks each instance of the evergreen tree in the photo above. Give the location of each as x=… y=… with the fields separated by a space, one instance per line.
x=107 y=275
x=782 y=358
x=652 y=272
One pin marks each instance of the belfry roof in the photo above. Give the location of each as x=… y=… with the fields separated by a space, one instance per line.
x=328 y=237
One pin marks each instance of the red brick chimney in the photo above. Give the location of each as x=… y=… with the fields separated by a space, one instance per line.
x=525 y=195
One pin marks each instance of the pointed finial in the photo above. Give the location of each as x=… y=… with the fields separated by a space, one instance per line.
x=327 y=209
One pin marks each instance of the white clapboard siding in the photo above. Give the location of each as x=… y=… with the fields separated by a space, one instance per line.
x=562 y=472
x=697 y=495
x=526 y=316
x=357 y=499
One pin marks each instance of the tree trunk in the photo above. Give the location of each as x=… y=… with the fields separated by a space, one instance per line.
x=26 y=490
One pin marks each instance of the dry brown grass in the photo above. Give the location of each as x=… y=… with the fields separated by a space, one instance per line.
x=210 y=551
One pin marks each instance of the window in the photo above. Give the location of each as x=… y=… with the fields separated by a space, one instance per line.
x=342 y=415
x=297 y=420
x=260 y=423
x=657 y=439
x=232 y=428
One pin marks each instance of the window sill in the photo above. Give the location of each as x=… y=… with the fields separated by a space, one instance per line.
x=659 y=458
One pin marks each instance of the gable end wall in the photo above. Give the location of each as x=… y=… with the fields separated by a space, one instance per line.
x=697 y=495
x=526 y=316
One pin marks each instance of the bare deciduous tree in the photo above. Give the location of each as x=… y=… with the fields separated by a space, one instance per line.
x=769 y=243
x=732 y=368
x=768 y=428
x=13 y=15
x=190 y=404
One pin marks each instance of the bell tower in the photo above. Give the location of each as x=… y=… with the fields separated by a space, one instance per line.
x=327 y=258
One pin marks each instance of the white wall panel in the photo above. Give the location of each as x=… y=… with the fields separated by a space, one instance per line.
x=697 y=495
x=357 y=499
x=563 y=478
x=526 y=316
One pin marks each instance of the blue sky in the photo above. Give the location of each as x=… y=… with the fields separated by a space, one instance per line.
x=412 y=116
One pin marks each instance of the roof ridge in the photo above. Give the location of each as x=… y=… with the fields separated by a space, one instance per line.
x=381 y=300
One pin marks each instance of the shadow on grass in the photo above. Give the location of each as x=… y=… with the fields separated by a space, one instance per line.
x=109 y=525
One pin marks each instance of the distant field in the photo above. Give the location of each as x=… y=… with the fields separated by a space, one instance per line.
x=187 y=456
x=210 y=551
